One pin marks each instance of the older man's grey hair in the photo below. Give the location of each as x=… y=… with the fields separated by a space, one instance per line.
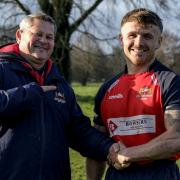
x=28 y=20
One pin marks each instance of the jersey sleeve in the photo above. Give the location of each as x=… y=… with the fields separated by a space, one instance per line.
x=99 y=97
x=97 y=104
x=171 y=92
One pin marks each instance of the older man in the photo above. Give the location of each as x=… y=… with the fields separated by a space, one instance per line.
x=39 y=115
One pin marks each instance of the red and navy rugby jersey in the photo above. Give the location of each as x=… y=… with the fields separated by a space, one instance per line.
x=132 y=106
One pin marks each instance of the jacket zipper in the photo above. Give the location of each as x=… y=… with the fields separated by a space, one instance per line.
x=42 y=138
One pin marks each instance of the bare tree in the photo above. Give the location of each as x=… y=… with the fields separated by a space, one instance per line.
x=169 y=53
x=73 y=17
x=89 y=63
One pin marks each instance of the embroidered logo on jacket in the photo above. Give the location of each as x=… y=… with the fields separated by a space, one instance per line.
x=59 y=97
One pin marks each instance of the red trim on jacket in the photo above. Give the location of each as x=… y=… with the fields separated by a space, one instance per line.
x=14 y=47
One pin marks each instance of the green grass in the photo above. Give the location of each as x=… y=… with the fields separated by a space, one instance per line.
x=178 y=163
x=77 y=166
x=85 y=97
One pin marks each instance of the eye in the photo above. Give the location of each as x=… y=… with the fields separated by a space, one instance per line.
x=50 y=37
x=148 y=36
x=38 y=34
x=131 y=36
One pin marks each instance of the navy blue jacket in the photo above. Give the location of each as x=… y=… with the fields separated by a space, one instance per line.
x=36 y=127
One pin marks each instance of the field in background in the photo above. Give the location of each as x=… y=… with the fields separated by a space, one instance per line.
x=85 y=96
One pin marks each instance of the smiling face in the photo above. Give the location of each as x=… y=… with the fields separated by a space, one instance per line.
x=36 y=43
x=140 y=43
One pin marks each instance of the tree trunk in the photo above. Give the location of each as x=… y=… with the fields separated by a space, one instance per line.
x=61 y=58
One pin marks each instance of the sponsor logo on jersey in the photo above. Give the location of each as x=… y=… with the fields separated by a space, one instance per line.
x=112 y=126
x=133 y=125
x=144 y=92
x=59 y=97
x=117 y=96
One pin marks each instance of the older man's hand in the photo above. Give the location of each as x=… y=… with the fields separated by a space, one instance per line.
x=115 y=158
x=48 y=88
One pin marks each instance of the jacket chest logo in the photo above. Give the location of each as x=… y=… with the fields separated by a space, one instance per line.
x=59 y=97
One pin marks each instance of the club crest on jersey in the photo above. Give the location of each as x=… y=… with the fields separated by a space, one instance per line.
x=59 y=97
x=145 y=92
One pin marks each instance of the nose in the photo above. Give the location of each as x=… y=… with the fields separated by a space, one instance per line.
x=139 y=41
x=43 y=40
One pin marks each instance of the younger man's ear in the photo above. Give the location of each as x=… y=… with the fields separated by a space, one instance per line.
x=120 y=38
x=159 y=42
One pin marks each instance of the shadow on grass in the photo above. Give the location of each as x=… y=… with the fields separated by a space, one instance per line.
x=88 y=99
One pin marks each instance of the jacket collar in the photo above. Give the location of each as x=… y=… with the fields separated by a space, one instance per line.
x=11 y=52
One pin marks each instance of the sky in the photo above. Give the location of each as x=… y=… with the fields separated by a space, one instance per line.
x=170 y=20
x=119 y=9
x=116 y=12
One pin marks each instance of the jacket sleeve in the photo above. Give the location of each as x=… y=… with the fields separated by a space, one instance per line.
x=19 y=99
x=85 y=138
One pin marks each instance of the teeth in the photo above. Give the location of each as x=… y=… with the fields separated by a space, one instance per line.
x=138 y=51
x=40 y=47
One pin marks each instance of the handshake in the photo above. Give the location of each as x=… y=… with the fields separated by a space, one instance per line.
x=116 y=157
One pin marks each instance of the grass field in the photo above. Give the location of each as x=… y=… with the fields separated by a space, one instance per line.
x=85 y=96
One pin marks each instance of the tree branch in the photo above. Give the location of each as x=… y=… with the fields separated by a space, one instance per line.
x=84 y=15
x=91 y=53
x=46 y=7
x=22 y=7
x=92 y=36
